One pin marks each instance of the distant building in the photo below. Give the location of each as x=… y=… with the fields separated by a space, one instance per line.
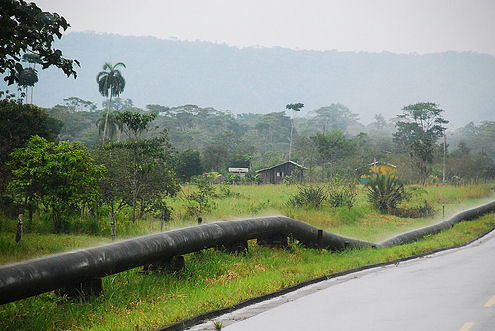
x=276 y=174
x=380 y=168
x=241 y=172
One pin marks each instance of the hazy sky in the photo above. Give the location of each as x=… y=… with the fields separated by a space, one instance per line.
x=399 y=26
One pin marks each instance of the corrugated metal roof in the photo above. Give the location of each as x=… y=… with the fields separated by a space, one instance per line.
x=294 y=163
x=384 y=163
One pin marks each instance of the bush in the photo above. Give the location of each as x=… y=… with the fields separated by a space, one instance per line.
x=293 y=178
x=233 y=179
x=385 y=192
x=199 y=202
x=308 y=195
x=226 y=192
x=252 y=178
x=341 y=193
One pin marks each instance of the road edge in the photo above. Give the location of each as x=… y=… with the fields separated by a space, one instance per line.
x=203 y=317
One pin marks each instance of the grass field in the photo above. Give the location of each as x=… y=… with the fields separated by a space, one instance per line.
x=360 y=222
x=213 y=279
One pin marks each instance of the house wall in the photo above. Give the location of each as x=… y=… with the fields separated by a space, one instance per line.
x=276 y=175
x=383 y=169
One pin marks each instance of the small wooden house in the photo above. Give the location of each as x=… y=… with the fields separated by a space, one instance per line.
x=380 y=168
x=276 y=174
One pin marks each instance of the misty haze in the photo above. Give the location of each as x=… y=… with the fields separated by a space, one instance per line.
x=266 y=165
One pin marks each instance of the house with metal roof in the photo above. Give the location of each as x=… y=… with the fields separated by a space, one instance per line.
x=277 y=173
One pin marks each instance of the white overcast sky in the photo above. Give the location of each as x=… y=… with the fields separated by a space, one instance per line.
x=399 y=26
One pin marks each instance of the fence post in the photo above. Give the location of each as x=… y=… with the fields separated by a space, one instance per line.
x=18 y=235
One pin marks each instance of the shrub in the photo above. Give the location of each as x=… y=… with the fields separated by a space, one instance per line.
x=233 y=179
x=199 y=202
x=252 y=178
x=293 y=178
x=341 y=193
x=308 y=195
x=385 y=192
x=226 y=192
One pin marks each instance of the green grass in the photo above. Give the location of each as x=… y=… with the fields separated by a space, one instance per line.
x=212 y=280
x=360 y=222
x=259 y=200
x=36 y=245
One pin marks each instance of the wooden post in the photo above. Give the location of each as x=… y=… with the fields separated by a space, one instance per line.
x=18 y=235
x=112 y=224
x=98 y=219
x=426 y=208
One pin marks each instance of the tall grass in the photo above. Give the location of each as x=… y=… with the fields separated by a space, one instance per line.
x=36 y=245
x=238 y=201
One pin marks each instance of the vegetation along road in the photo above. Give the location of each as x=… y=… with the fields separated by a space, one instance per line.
x=451 y=290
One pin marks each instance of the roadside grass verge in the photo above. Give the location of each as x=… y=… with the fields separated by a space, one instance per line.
x=212 y=280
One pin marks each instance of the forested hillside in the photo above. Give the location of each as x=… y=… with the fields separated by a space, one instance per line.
x=263 y=80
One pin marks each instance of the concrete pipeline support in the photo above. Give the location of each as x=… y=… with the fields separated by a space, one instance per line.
x=71 y=269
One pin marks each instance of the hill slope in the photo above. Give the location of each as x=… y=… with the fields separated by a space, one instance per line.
x=261 y=80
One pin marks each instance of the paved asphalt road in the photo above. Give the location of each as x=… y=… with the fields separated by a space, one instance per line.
x=452 y=290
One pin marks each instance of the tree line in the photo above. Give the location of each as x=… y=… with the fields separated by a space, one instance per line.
x=327 y=140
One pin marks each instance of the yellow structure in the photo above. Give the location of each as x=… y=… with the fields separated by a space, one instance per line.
x=380 y=168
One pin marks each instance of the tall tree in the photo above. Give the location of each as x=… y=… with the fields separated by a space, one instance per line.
x=189 y=164
x=296 y=107
x=215 y=157
x=113 y=125
x=27 y=78
x=333 y=117
x=110 y=83
x=74 y=104
x=332 y=146
x=148 y=166
x=26 y=29
x=32 y=59
x=419 y=127
x=119 y=104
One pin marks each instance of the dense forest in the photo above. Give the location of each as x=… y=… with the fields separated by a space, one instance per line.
x=217 y=140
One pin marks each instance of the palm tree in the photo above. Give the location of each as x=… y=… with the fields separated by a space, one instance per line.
x=110 y=82
x=114 y=126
